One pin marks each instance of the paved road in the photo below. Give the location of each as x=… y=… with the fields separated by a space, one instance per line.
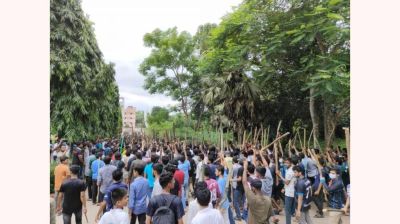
x=92 y=210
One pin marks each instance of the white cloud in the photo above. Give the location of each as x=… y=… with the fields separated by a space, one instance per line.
x=121 y=24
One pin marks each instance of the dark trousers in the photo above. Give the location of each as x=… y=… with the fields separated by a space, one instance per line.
x=101 y=197
x=89 y=185
x=78 y=217
x=319 y=201
x=95 y=190
x=141 y=218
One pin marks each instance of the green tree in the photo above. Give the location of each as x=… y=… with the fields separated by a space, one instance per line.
x=84 y=99
x=170 y=65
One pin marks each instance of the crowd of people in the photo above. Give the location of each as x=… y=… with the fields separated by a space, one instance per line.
x=174 y=182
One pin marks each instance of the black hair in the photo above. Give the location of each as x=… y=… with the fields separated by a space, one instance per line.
x=99 y=154
x=182 y=159
x=235 y=159
x=107 y=160
x=203 y=196
x=211 y=157
x=117 y=175
x=118 y=194
x=261 y=170
x=165 y=159
x=138 y=155
x=139 y=169
x=201 y=156
x=170 y=168
x=206 y=171
x=298 y=169
x=251 y=168
x=221 y=169
x=75 y=169
x=158 y=168
x=154 y=158
x=289 y=160
x=63 y=158
x=117 y=156
x=198 y=186
x=165 y=179
x=301 y=155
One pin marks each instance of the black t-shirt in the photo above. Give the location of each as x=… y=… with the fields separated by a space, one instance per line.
x=72 y=189
x=162 y=200
x=303 y=187
x=239 y=183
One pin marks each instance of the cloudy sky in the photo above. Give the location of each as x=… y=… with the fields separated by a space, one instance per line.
x=121 y=24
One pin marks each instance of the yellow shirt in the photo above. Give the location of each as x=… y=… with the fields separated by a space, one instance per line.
x=60 y=173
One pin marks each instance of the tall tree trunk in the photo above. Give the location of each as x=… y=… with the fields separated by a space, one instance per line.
x=314 y=117
x=329 y=125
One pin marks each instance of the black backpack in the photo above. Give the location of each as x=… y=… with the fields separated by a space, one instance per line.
x=164 y=214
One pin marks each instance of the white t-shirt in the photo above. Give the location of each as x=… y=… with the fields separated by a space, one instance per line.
x=209 y=216
x=289 y=189
x=194 y=207
x=115 y=216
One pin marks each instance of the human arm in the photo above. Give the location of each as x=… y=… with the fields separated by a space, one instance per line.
x=83 y=200
x=148 y=219
x=101 y=209
x=299 y=204
x=59 y=200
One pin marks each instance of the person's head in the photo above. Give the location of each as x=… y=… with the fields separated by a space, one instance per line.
x=256 y=185
x=138 y=171
x=117 y=156
x=235 y=159
x=211 y=157
x=74 y=169
x=333 y=173
x=301 y=155
x=119 y=197
x=219 y=171
x=167 y=181
x=251 y=168
x=165 y=160
x=201 y=156
x=138 y=155
x=298 y=171
x=206 y=172
x=203 y=197
x=128 y=153
x=99 y=155
x=107 y=160
x=64 y=160
x=260 y=172
x=117 y=175
x=288 y=162
x=198 y=186
x=170 y=168
x=157 y=169
x=182 y=159
x=154 y=158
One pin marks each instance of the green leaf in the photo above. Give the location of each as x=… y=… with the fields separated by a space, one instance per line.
x=334 y=2
x=335 y=16
x=297 y=39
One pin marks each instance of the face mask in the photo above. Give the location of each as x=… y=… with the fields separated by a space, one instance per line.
x=281 y=160
x=332 y=176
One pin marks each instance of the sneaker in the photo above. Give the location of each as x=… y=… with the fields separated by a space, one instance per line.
x=318 y=216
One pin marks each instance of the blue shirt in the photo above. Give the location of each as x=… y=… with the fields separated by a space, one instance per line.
x=111 y=188
x=148 y=170
x=96 y=165
x=138 y=195
x=185 y=167
x=221 y=185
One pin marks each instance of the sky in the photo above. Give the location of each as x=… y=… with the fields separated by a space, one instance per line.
x=121 y=24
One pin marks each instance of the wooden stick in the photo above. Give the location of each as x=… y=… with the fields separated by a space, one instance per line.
x=277 y=139
x=255 y=135
x=304 y=137
x=244 y=139
x=267 y=136
x=309 y=138
x=347 y=133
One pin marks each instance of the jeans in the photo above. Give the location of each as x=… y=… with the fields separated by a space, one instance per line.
x=141 y=218
x=183 y=198
x=238 y=198
x=78 y=217
x=149 y=192
x=289 y=208
x=94 y=191
x=230 y=213
x=89 y=185
x=305 y=217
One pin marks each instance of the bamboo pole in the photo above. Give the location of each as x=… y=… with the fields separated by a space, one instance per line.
x=347 y=134
x=309 y=138
x=267 y=136
x=277 y=139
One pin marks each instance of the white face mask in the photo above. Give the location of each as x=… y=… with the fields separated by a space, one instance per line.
x=332 y=176
x=281 y=160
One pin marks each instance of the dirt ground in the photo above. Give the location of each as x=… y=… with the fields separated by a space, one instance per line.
x=92 y=210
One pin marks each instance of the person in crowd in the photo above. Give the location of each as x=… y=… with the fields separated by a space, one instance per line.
x=73 y=198
x=157 y=170
x=95 y=167
x=104 y=178
x=116 y=215
x=303 y=192
x=148 y=174
x=205 y=213
x=138 y=195
x=172 y=210
x=335 y=189
x=61 y=172
x=212 y=185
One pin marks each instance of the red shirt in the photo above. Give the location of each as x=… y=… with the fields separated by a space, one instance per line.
x=212 y=185
x=179 y=176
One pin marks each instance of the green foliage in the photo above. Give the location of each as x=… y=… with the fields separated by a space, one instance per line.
x=52 y=167
x=84 y=98
x=140 y=122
